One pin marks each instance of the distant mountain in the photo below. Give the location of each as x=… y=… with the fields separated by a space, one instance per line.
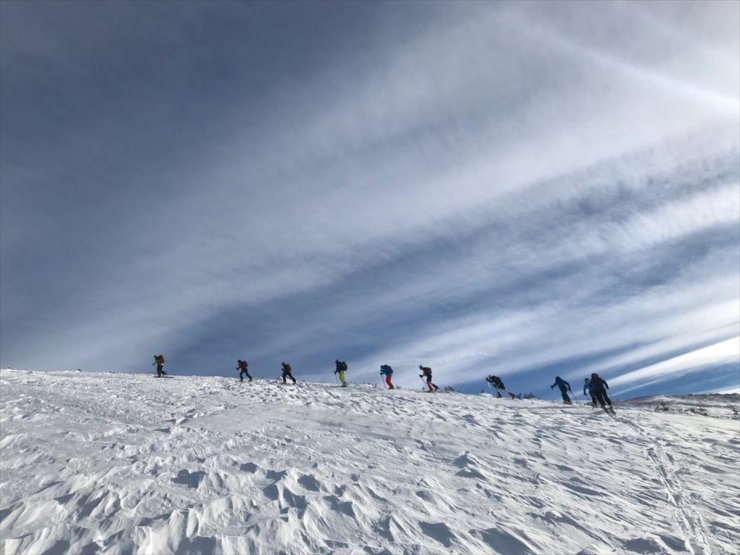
x=717 y=405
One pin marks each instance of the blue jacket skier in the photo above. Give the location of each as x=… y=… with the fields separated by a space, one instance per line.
x=587 y=388
x=564 y=389
x=387 y=371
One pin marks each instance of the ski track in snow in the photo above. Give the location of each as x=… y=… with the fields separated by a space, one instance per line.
x=121 y=463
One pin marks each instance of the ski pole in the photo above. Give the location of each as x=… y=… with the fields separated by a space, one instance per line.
x=422 y=383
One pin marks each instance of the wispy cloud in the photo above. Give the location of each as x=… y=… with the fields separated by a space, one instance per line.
x=478 y=185
x=725 y=352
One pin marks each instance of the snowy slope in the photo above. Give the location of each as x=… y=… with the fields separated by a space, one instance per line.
x=121 y=463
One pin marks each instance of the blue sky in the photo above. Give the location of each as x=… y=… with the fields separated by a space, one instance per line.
x=526 y=189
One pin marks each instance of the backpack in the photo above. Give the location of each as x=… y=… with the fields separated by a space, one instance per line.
x=385 y=369
x=242 y=365
x=343 y=366
x=159 y=359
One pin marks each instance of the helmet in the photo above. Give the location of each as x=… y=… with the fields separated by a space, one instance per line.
x=421 y=367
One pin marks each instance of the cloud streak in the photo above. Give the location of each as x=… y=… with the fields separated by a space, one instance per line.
x=486 y=186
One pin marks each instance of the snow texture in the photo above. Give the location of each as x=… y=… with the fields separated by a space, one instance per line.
x=121 y=463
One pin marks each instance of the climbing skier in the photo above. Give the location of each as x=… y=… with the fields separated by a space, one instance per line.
x=287 y=372
x=243 y=368
x=159 y=363
x=341 y=368
x=496 y=382
x=564 y=389
x=426 y=372
x=387 y=371
x=598 y=391
x=587 y=387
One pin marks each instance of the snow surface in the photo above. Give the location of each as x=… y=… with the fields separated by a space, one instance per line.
x=122 y=463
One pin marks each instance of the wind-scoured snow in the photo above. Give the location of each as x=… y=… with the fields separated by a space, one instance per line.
x=121 y=463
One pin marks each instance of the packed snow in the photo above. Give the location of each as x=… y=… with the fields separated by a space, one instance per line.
x=122 y=463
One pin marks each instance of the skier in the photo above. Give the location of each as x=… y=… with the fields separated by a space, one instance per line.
x=426 y=372
x=587 y=387
x=243 y=368
x=341 y=369
x=287 y=372
x=598 y=391
x=387 y=371
x=159 y=363
x=564 y=389
x=496 y=382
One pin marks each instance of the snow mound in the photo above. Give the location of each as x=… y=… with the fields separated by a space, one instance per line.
x=121 y=463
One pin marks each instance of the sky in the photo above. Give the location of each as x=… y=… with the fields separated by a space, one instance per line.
x=527 y=189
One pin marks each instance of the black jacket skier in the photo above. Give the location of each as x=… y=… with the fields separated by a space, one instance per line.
x=598 y=391
x=426 y=372
x=497 y=383
x=243 y=368
x=341 y=368
x=287 y=372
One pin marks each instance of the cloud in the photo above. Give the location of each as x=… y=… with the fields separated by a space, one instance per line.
x=480 y=184
x=725 y=352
